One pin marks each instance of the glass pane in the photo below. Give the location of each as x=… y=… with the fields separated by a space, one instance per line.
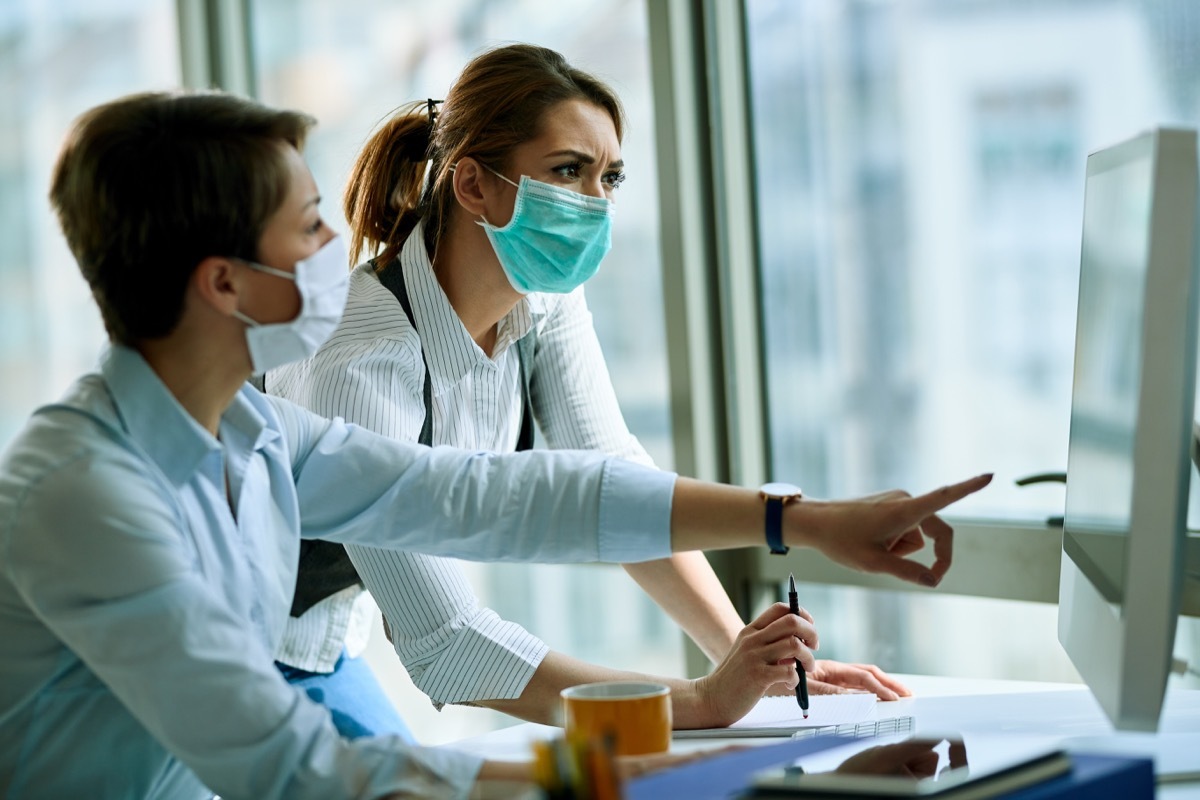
x=921 y=199
x=56 y=61
x=319 y=56
x=921 y=193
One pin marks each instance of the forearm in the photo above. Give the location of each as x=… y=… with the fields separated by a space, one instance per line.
x=541 y=701
x=717 y=516
x=713 y=516
x=686 y=587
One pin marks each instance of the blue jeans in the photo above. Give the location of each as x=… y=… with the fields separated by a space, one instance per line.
x=354 y=698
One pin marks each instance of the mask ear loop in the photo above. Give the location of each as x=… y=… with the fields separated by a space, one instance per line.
x=502 y=177
x=498 y=175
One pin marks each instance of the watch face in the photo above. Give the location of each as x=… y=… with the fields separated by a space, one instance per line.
x=779 y=489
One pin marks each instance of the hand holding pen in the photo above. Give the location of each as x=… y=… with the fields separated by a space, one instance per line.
x=802 y=685
x=762 y=662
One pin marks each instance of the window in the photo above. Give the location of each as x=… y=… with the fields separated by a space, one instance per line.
x=920 y=186
x=56 y=61
x=349 y=64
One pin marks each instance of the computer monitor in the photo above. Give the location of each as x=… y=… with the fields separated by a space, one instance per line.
x=1132 y=406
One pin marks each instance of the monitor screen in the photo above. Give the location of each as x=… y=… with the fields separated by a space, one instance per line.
x=1104 y=396
x=1132 y=406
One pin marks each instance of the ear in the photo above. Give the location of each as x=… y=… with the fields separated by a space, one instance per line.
x=215 y=282
x=470 y=189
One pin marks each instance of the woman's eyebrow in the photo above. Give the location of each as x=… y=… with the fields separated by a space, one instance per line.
x=575 y=154
x=584 y=158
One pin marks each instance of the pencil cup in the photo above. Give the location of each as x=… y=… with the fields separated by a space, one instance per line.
x=636 y=715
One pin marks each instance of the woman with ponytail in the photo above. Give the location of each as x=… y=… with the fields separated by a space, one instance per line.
x=485 y=216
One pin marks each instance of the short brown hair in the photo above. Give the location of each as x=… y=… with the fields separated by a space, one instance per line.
x=496 y=104
x=149 y=185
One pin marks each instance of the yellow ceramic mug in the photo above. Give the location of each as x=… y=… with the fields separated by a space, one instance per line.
x=638 y=715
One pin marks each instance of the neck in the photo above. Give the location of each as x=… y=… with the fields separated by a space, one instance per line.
x=471 y=276
x=198 y=371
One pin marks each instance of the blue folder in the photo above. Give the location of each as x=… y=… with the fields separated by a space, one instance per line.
x=730 y=775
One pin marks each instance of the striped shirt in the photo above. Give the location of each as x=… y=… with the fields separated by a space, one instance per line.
x=371 y=372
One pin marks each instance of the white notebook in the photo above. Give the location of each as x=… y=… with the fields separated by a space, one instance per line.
x=781 y=716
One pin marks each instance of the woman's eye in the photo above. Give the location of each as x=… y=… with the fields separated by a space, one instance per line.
x=316 y=226
x=569 y=171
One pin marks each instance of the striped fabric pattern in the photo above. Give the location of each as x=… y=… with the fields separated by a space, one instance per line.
x=371 y=373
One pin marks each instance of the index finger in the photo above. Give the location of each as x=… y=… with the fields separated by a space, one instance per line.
x=935 y=501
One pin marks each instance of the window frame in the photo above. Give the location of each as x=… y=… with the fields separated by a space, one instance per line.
x=714 y=308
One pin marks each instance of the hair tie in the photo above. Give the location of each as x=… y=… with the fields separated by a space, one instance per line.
x=416 y=144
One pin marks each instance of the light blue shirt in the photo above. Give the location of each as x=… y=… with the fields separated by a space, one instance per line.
x=139 y=613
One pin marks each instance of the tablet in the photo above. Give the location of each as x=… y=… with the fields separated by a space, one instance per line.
x=943 y=767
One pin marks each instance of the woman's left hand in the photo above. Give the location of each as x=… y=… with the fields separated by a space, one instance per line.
x=836 y=677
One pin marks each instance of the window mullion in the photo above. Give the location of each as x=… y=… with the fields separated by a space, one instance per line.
x=734 y=198
x=215 y=47
x=689 y=263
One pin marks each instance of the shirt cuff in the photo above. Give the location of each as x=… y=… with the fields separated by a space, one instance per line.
x=488 y=659
x=635 y=513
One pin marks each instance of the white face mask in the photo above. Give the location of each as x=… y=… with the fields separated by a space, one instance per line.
x=323 y=281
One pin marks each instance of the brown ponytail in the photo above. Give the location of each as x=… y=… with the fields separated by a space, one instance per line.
x=496 y=104
x=384 y=190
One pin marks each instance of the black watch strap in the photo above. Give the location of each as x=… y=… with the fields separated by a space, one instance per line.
x=774 y=526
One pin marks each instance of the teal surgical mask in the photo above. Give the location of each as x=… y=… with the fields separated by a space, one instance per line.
x=555 y=240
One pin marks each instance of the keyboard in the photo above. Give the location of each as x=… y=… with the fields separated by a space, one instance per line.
x=860 y=730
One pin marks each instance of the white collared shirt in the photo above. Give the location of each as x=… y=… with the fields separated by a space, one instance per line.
x=371 y=373
x=147 y=567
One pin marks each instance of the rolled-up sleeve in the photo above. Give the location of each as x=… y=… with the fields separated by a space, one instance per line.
x=358 y=487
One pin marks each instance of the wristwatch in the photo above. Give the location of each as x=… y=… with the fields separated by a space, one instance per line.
x=775 y=496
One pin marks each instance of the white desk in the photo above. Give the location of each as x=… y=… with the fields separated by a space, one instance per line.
x=1065 y=712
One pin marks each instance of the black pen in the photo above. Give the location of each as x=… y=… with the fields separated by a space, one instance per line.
x=802 y=686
